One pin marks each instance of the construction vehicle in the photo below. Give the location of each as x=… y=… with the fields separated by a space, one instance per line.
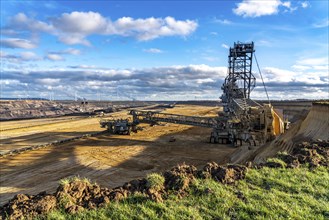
x=243 y=120
x=118 y=126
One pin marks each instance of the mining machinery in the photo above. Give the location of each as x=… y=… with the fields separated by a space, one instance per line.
x=118 y=126
x=242 y=121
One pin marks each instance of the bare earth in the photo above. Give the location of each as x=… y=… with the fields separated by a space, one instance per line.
x=40 y=131
x=110 y=160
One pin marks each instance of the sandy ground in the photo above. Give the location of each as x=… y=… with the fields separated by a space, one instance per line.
x=41 y=131
x=110 y=160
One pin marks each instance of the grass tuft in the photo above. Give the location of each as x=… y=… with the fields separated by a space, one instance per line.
x=266 y=193
x=69 y=180
x=279 y=162
x=155 y=181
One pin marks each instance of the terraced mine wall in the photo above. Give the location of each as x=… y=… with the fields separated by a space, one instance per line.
x=312 y=127
x=293 y=110
x=28 y=109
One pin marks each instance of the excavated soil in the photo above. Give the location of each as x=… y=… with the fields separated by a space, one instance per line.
x=77 y=194
x=110 y=160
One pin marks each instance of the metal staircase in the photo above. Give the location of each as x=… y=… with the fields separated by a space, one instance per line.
x=242 y=103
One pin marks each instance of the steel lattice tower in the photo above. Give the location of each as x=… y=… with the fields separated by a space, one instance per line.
x=240 y=80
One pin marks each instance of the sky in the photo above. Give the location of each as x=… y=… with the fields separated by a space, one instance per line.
x=160 y=50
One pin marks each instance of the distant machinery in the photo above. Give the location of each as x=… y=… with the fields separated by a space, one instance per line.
x=243 y=120
x=118 y=126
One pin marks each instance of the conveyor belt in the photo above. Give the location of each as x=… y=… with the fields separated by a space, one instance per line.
x=155 y=117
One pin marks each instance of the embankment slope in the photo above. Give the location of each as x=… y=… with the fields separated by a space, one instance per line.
x=314 y=126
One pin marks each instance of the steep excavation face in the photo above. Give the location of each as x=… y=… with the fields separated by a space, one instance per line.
x=314 y=126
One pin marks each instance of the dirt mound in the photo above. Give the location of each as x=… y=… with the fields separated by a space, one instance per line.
x=79 y=195
x=76 y=195
x=138 y=185
x=180 y=177
x=224 y=174
x=25 y=206
x=290 y=160
x=310 y=128
x=313 y=153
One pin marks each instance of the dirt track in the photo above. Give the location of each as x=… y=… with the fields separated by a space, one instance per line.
x=41 y=131
x=109 y=160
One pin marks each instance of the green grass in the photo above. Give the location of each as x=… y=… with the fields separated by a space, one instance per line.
x=155 y=181
x=267 y=193
x=277 y=161
x=68 y=180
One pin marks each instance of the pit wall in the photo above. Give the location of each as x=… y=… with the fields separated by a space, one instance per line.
x=316 y=124
x=312 y=127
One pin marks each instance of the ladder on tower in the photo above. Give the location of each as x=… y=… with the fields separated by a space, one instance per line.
x=242 y=103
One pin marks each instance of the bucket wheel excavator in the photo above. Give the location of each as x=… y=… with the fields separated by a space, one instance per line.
x=245 y=119
x=242 y=121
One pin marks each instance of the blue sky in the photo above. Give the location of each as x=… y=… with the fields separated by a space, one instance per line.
x=160 y=50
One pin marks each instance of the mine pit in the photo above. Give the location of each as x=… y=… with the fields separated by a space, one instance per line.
x=110 y=160
x=121 y=146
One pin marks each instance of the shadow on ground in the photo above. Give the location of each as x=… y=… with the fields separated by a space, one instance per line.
x=108 y=160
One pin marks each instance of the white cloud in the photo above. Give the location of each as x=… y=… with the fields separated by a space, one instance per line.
x=83 y=67
x=321 y=67
x=19 y=58
x=172 y=82
x=272 y=74
x=48 y=81
x=298 y=79
x=225 y=46
x=321 y=24
x=313 y=64
x=54 y=57
x=22 y=22
x=75 y=27
x=310 y=71
x=301 y=67
x=257 y=8
x=206 y=80
x=72 y=51
x=313 y=61
x=71 y=39
x=153 y=50
x=305 y=4
x=28 y=55
x=8 y=32
x=17 y=43
x=223 y=21
x=286 y=4
x=152 y=28
x=83 y=23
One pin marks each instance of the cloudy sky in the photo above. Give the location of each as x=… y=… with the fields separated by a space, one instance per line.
x=160 y=50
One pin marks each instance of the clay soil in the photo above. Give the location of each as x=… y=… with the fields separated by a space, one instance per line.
x=110 y=160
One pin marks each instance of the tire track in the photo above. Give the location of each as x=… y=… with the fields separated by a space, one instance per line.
x=53 y=143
